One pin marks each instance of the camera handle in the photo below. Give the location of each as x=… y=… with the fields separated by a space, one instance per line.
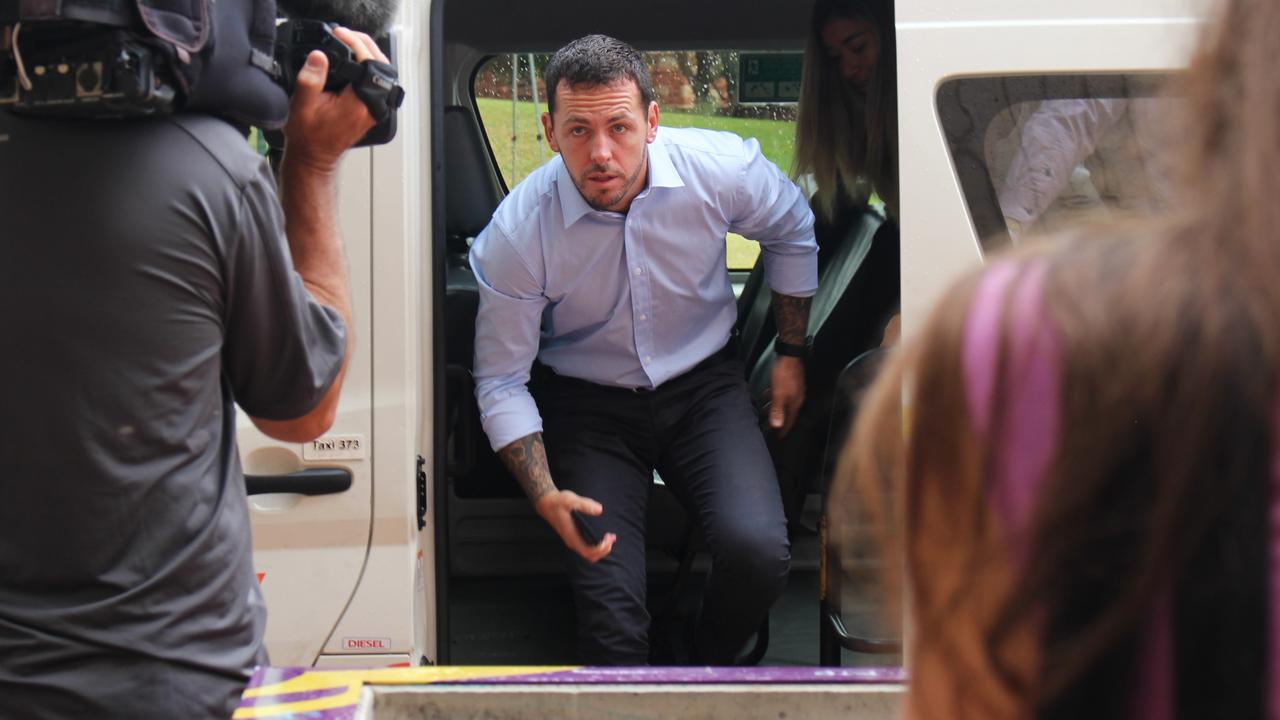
x=374 y=83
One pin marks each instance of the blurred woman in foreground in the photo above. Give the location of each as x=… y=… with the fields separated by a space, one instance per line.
x=1085 y=493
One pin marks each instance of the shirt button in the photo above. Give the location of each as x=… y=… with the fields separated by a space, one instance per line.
x=643 y=316
x=648 y=358
x=639 y=270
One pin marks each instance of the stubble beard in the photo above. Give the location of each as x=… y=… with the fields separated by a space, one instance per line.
x=622 y=193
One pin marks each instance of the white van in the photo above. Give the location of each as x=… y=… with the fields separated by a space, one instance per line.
x=429 y=526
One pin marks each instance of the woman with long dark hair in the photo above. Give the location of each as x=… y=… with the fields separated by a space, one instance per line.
x=847 y=126
x=1084 y=489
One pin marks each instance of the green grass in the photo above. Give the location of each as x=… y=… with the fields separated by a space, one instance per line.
x=739 y=252
x=776 y=137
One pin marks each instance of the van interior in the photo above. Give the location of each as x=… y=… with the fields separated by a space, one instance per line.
x=502 y=597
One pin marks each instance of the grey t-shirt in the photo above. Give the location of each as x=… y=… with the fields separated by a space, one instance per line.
x=145 y=287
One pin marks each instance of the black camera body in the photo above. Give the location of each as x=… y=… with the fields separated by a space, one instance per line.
x=374 y=82
x=296 y=38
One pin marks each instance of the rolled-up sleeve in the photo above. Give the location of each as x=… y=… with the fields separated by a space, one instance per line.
x=507 y=330
x=772 y=210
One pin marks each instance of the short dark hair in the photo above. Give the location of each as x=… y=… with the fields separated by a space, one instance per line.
x=597 y=60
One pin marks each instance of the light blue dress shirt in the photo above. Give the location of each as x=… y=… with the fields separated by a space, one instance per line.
x=627 y=299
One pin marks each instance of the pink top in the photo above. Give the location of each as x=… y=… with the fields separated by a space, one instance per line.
x=1028 y=438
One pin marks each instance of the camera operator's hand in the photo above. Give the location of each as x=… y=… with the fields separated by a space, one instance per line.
x=322 y=125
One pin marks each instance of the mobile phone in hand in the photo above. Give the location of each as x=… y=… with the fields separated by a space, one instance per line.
x=588 y=535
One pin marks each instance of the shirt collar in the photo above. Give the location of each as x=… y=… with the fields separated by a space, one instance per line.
x=572 y=205
x=662 y=173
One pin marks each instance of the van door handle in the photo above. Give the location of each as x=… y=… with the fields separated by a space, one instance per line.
x=311 y=481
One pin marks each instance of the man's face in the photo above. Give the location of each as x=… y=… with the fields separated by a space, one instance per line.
x=602 y=133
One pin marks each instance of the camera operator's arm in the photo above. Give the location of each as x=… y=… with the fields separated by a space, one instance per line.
x=321 y=127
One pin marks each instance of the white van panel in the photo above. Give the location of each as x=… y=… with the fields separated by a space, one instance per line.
x=397 y=593
x=309 y=551
x=938 y=238
x=351 y=575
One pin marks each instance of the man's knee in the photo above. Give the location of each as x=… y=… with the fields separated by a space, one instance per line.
x=758 y=560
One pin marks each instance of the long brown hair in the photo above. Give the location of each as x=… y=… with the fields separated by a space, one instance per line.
x=848 y=142
x=1159 y=492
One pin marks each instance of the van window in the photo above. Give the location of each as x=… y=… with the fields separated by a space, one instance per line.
x=694 y=88
x=1038 y=153
x=258 y=141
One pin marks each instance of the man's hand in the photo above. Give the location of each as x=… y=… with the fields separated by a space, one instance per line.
x=792 y=316
x=322 y=125
x=788 y=393
x=555 y=507
x=526 y=458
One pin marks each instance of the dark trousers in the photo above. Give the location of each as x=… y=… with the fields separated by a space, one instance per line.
x=699 y=431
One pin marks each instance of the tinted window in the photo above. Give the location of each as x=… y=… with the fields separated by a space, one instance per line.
x=1039 y=153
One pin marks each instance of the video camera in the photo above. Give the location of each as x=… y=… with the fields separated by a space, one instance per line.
x=374 y=82
x=129 y=58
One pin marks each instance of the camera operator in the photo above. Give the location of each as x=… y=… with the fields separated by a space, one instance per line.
x=147 y=285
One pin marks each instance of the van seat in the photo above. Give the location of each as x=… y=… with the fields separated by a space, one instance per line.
x=472 y=193
x=858 y=291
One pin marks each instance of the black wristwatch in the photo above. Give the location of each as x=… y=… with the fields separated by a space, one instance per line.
x=792 y=350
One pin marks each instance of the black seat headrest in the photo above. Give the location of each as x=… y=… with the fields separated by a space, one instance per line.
x=471 y=190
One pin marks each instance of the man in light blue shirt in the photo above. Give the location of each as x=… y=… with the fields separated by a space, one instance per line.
x=607 y=265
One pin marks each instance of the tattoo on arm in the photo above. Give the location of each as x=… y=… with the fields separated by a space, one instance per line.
x=526 y=458
x=792 y=316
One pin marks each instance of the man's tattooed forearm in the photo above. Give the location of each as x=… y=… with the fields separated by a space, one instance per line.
x=526 y=458
x=792 y=316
